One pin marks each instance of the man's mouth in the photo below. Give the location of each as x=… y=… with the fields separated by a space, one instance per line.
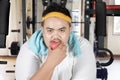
x=54 y=44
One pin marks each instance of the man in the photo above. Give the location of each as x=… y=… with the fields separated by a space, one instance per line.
x=55 y=52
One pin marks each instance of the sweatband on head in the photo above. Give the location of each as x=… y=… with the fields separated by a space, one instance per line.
x=57 y=14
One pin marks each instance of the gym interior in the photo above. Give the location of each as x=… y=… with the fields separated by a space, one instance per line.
x=96 y=20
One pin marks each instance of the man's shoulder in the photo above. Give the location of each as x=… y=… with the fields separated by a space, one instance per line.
x=83 y=41
x=24 y=45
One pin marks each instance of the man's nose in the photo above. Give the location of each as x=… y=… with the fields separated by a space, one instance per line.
x=55 y=35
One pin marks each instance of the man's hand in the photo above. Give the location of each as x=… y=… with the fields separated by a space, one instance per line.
x=57 y=52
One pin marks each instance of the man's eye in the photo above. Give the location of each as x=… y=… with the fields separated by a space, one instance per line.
x=49 y=30
x=62 y=30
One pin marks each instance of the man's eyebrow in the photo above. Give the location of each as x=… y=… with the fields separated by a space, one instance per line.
x=49 y=28
x=62 y=28
x=53 y=29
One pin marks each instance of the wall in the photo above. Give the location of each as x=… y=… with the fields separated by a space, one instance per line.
x=113 y=41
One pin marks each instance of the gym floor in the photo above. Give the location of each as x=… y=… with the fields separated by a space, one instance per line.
x=114 y=70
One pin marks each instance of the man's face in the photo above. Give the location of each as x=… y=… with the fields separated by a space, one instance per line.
x=56 y=29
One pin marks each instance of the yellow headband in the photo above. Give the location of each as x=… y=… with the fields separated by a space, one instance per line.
x=56 y=14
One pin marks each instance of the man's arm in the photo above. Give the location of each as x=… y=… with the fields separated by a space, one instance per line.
x=27 y=63
x=54 y=58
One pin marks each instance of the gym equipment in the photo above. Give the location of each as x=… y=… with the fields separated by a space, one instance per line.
x=113 y=10
x=105 y=51
x=2 y=40
x=24 y=20
x=102 y=72
x=63 y=3
x=29 y=20
x=26 y=23
x=98 y=10
x=45 y=2
x=3 y=62
x=4 y=21
x=100 y=28
x=15 y=47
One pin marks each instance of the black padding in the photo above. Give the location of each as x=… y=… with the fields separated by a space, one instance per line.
x=102 y=73
x=4 y=16
x=15 y=47
x=2 y=41
x=101 y=41
x=100 y=29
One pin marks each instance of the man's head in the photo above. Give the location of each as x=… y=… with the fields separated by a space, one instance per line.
x=56 y=22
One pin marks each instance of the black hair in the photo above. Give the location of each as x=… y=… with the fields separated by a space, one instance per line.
x=54 y=7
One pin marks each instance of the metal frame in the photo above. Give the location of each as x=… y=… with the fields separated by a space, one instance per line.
x=90 y=11
x=24 y=20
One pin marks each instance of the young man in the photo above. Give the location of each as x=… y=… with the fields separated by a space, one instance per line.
x=55 y=52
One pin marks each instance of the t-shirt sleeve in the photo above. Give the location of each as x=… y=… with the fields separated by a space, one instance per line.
x=85 y=65
x=27 y=63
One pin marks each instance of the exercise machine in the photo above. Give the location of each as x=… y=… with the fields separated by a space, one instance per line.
x=99 y=10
